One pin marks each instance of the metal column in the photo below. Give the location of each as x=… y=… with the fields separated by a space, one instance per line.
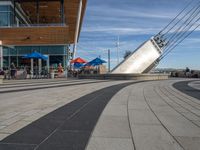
x=77 y=28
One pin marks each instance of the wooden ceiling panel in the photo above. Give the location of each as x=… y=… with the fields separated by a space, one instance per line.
x=49 y=13
x=34 y=35
x=71 y=12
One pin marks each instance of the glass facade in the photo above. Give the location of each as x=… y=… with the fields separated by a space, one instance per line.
x=56 y=54
x=6 y=16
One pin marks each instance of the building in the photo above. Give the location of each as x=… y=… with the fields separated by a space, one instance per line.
x=45 y=26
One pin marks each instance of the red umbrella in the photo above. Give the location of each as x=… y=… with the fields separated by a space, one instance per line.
x=78 y=60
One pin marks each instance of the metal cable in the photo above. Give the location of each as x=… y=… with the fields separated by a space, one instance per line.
x=189 y=16
x=165 y=28
x=167 y=52
x=182 y=34
x=182 y=29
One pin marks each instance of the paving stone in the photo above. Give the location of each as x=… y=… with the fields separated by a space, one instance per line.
x=112 y=130
x=112 y=126
x=34 y=117
x=192 y=101
x=16 y=106
x=133 y=104
x=195 y=109
x=1 y=127
x=189 y=143
x=183 y=95
x=153 y=137
x=5 y=116
x=100 y=143
x=191 y=116
x=31 y=112
x=14 y=127
x=11 y=120
x=178 y=125
x=72 y=123
x=121 y=97
x=115 y=110
x=142 y=117
x=3 y=135
x=181 y=109
x=196 y=122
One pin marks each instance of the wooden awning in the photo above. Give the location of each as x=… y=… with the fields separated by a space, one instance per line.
x=49 y=13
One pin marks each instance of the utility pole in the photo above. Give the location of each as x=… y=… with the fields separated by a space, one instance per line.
x=108 y=60
x=9 y=63
x=117 y=50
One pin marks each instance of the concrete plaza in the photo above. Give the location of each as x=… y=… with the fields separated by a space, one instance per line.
x=100 y=115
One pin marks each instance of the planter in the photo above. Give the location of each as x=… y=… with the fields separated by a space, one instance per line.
x=1 y=79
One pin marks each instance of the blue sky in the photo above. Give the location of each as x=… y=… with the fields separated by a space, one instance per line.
x=134 y=21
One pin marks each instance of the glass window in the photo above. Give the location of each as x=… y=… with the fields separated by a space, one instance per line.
x=4 y=19
x=55 y=60
x=52 y=50
x=56 y=50
x=6 y=61
x=9 y=51
x=44 y=49
x=5 y=15
x=22 y=50
x=5 y=8
x=5 y=51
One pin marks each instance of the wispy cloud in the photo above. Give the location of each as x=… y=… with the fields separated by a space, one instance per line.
x=122 y=30
x=134 y=21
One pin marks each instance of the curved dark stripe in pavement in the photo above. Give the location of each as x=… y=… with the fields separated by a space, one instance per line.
x=185 y=88
x=48 y=87
x=67 y=128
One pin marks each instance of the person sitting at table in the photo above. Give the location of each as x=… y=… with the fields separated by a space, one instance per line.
x=60 y=69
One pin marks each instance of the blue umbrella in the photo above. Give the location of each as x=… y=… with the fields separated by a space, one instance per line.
x=35 y=55
x=97 y=61
x=78 y=65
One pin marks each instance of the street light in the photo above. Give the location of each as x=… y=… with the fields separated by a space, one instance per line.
x=108 y=60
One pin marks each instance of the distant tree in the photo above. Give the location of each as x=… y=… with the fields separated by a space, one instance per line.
x=126 y=54
x=187 y=69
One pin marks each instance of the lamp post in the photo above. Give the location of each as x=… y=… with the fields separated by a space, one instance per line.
x=108 y=60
